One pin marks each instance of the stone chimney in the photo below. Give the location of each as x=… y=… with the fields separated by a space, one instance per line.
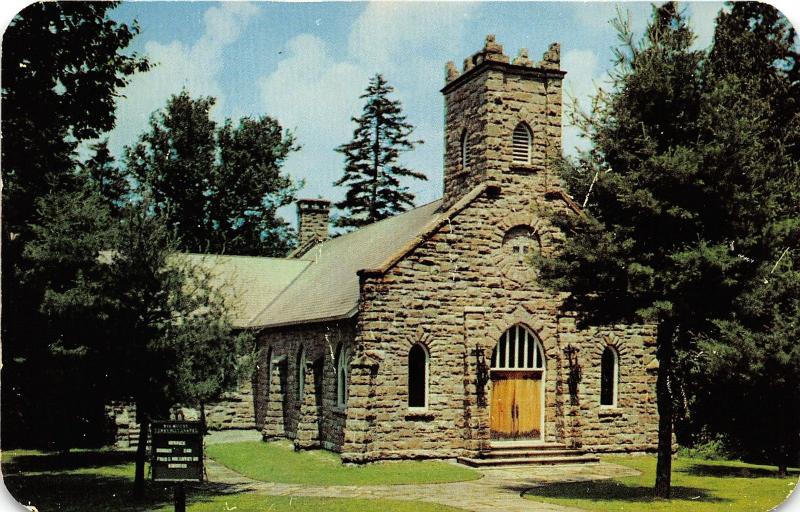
x=312 y=220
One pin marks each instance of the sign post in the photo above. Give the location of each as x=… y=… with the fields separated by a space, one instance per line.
x=177 y=455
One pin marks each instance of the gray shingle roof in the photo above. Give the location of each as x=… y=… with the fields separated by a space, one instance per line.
x=251 y=283
x=327 y=288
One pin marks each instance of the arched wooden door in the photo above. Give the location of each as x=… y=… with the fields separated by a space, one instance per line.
x=517 y=375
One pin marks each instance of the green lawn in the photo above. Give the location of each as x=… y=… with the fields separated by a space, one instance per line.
x=85 y=480
x=278 y=462
x=697 y=486
x=261 y=503
x=78 y=481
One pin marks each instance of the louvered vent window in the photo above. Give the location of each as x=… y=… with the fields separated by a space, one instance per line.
x=521 y=144
x=464 y=151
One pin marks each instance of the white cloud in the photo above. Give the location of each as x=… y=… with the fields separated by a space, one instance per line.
x=315 y=92
x=195 y=67
x=315 y=96
x=390 y=34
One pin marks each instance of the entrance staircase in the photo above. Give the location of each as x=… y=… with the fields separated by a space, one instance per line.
x=528 y=453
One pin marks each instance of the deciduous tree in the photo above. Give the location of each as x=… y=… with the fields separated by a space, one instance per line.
x=219 y=186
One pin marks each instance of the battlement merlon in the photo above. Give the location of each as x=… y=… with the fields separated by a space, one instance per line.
x=492 y=55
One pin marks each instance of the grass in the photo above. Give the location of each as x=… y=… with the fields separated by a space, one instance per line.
x=103 y=480
x=78 y=481
x=278 y=462
x=261 y=503
x=697 y=486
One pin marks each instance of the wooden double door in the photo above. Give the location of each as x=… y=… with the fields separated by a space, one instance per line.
x=516 y=404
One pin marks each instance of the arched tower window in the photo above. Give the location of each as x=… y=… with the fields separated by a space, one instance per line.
x=342 y=372
x=518 y=349
x=521 y=144
x=417 y=376
x=464 y=150
x=301 y=373
x=609 y=377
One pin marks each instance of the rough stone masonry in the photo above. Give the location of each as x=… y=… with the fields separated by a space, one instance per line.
x=454 y=279
x=500 y=358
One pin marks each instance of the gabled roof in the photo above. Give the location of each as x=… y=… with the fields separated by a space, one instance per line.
x=328 y=288
x=250 y=282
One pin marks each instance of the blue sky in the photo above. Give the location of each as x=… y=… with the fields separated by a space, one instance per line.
x=306 y=64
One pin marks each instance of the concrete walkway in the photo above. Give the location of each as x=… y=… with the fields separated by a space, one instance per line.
x=498 y=490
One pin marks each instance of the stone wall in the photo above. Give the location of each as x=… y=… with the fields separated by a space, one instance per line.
x=457 y=291
x=234 y=411
x=313 y=419
x=486 y=102
x=121 y=417
x=454 y=295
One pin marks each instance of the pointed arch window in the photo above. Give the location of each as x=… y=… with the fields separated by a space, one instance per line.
x=417 y=377
x=609 y=377
x=268 y=372
x=521 y=144
x=342 y=373
x=465 y=156
x=301 y=373
x=518 y=349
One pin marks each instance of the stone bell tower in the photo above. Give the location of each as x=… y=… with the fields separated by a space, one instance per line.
x=502 y=121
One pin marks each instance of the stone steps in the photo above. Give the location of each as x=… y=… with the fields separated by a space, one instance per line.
x=521 y=453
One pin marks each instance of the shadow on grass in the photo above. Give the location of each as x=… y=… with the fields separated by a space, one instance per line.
x=82 y=481
x=57 y=462
x=611 y=490
x=726 y=471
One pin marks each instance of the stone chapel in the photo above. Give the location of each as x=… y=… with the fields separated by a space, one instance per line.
x=425 y=335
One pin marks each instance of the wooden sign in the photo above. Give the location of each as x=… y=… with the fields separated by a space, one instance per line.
x=177 y=451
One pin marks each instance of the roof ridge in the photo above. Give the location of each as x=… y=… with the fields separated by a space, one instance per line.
x=366 y=226
x=222 y=255
x=308 y=263
x=432 y=226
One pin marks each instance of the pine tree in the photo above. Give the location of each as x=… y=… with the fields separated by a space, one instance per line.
x=62 y=67
x=172 y=336
x=372 y=174
x=750 y=139
x=640 y=253
x=219 y=187
x=103 y=175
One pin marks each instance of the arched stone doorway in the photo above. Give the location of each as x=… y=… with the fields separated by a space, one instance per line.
x=518 y=376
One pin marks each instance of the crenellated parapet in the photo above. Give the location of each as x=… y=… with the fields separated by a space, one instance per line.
x=492 y=51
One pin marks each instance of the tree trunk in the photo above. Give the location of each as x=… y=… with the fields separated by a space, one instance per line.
x=203 y=425
x=666 y=334
x=141 y=456
x=376 y=153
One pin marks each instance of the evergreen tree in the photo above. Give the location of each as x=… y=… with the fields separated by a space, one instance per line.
x=641 y=251
x=372 y=174
x=103 y=175
x=62 y=67
x=219 y=187
x=169 y=335
x=66 y=237
x=750 y=138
